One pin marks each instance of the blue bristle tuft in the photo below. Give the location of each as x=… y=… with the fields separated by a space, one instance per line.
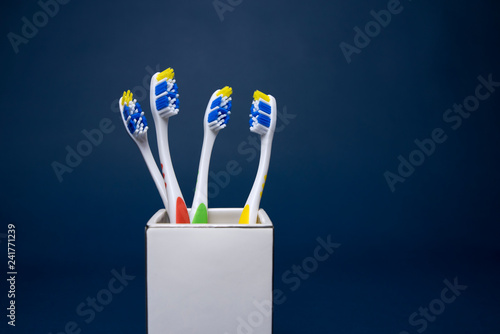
x=138 y=108
x=264 y=120
x=216 y=102
x=265 y=107
x=162 y=102
x=135 y=117
x=213 y=115
x=161 y=88
x=132 y=123
x=131 y=127
x=126 y=112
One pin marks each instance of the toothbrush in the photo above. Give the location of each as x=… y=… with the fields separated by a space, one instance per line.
x=216 y=118
x=164 y=99
x=137 y=127
x=262 y=122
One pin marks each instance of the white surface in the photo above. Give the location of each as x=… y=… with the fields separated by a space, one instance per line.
x=206 y=278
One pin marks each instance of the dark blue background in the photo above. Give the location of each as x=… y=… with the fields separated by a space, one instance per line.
x=351 y=123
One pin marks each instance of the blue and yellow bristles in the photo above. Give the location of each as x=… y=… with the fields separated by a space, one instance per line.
x=166 y=94
x=133 y=115
x=220 y=109
x=260 y=113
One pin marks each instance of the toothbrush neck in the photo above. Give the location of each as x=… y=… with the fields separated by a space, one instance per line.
x=265 y=157
x=162 y=134
x=206 y=152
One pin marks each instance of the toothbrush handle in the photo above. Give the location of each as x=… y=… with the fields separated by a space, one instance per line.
x=153 y=170
x=177 y=210
x=201 y=192
x=249 y=215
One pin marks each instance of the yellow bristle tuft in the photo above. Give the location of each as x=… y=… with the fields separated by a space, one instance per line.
x=168 y=73
x=259 y=95
x=226 y=91
x=127 y=97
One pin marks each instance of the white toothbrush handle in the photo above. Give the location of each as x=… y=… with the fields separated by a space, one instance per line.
x=253 y=200
x=176 y=209
x=143 y=144
x=153 y=169
x=200 y=195
x=173 y=190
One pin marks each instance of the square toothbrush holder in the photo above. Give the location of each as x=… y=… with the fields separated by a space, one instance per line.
x=214 y=278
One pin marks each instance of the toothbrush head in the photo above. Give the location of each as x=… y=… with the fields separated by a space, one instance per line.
x=133 y=117
x=262 y=113
x=219 y=109
x=166 y=94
